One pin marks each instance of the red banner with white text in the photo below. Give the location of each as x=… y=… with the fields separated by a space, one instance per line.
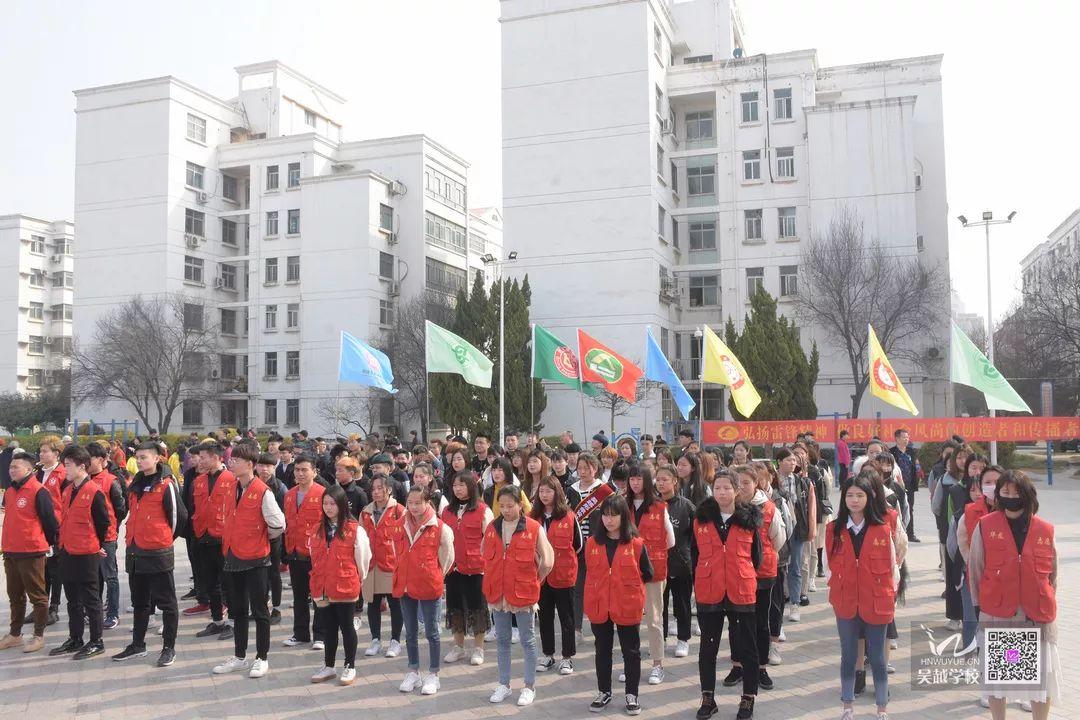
x=1006 y=429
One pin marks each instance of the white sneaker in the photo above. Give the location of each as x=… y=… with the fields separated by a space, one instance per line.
x=526 y=697
x=812 y=587
x=622 y=676
x=292 y=642
x=393 y=649
x=848 y=714
x=774 y=656
x=1025 y=705
x=431 y=684
x=231 y=665
x=566 y=666
x=545 y=663
x=782 y=637
x=259 y=668
x=348 y=676
x=411 y=682
x=318 y=645
x=795 y=615
x=489 y=636
x=657 y=675
x=696 y=629
x=682 y=648
x=327 y=673
x=356 y=623
x=477 y=657
x=373 y=649
x=893 y=645
x=954 y=626
x=501 y=693
x=515 y=636
x=456 y=653
x=984 y=701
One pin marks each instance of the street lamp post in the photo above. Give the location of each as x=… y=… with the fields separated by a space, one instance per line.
x=701 y=384
x=986 y=222
x=489 y=259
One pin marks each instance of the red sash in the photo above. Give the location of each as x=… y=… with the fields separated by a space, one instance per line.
x=586 y=506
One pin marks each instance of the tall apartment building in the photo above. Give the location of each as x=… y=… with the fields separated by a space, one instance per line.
x=655 y=174
x=1061 y=245
x=280 y=232
x=37 y=267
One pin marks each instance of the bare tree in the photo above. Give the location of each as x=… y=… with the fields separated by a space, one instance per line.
x=151 y=353
x=847 y=283
x=1051 y=306
x=360 y=410
x=618 y=406
x=406 y=349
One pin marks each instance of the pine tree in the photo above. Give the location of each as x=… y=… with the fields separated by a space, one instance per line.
x=460 y=405
x=538 y=396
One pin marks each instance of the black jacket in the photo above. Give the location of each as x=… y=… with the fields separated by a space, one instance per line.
x=358 y=499
x=46 y=513
x=138 y=561
x=681 y=511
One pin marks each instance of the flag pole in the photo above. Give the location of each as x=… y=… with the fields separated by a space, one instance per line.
x=701 y=392
x=581 y=387
x=532 y=381
x=426 y=420
x=645 y=402
x=337 y=394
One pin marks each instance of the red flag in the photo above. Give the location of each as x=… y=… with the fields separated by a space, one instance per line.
x=600 y=364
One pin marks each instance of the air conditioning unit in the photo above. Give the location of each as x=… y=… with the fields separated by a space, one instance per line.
x=192 y=241
x=666 y=128
x=669 y=288
x=398 y=188
x=219 y=283
x=395 y=288
x=202 y=198
x=48 y=374
x=391 y=238
x=48 y=340
x=215 y=374
x=57 y=258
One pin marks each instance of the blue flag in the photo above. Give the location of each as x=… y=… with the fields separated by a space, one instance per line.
x=658 y=369
x=364 y=365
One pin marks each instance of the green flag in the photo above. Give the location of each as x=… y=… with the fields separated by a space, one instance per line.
x=552 y=359
x=970 y=367
x=447 y=353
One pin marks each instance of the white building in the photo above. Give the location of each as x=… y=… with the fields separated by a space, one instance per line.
x=1061 y=245
x=654 y=174
x=38 y=280
x=281 y=231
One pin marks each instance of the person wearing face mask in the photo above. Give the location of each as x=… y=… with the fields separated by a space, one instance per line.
x=981 y=493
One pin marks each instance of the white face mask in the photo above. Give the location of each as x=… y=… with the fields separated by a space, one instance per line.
x=988 y=491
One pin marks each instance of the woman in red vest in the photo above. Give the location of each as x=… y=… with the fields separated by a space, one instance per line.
x=863 y=573
x=617 y=567
x=340 y=555
x=651 y=519
x=557 y=591
x=425 y=554
x=1012 y=567
x=466 y=609
x=382 y=519
x=729 y=553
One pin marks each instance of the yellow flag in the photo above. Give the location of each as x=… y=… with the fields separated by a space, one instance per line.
x=723 y=368
x=883 y=381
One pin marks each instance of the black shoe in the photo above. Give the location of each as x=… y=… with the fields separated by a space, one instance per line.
x=804 y=601
x=275 y=617
x=89 y=650
x=53 y=617
x=708 y=707
x=69 y=646
x=914 y=539
x=131 y=651
x=212 y=630
x=165 y=659
x=746 y=708
x=820 y=573
x=860 y=681
x=633 y=707
x=763 y=679
x=601 y=701
x=734 y=677
x=190 y=595
x=226 y=633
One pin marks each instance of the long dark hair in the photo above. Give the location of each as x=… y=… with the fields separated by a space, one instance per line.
x=694 y=486
x=617 y=505
x=1020 y=480
x=344 y=513
x=469 y=478
x=864 y=481
x=559 y=506
x=507 y=469
x=648 y=491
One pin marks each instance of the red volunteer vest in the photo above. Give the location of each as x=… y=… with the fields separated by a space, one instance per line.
x=651 y=529
x=55 y=485
x=468 y=532
x=560 y=534
x=334 y=574
x=77 y=534
x=22 y=527
x=104 y=480
x=418 y=572
x=212 y=506
x=614 y=591
x=892 y=516
x=769 y=557
x=510 y=570
x=724 y=569
x=973 y=513
x=245 y=534
x=147 y=526
x=301 y=519
x=1010 y=579
x=385 y=537
x=862 y=585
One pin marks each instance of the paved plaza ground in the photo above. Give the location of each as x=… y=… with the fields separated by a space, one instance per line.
x=38 y=687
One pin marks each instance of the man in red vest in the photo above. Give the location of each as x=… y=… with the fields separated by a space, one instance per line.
x=303 y=512
x=211 y=494
x=52 y=476
x=82 y=535
x=30 y=528
x=113 y=489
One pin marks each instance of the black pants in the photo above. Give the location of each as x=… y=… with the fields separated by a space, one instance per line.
x=151 y=590
x=762 y=602
x=629 y=643
x=247 y=599
x=678 y=592
x=842 y=477
x=338 y=617
x=53 y=582
x=201 y=596
x=579 y=592
x=211 y=564
x=954 y=601
x=776 y=603
x=300 y=577
x=911 y=511
x=83 y=598
x=561 y=600
x=273 y=571
x=712 y=627
x=374 y=616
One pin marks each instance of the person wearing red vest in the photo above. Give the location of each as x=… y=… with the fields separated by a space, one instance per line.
x=425 y=553
x=557 y=591
x=862 y=575
x=517 y=558
x=83 y=530
x=211 y=494
x=466 y=608
x=980 y=488
x=617 y=567
x=382 y=520
x=303 y=512
x=585 y=496
x=729 y=553
x=53 y=477
x=113 y=490
x=1013 y=572
x=252 y=519
x=29 y=531
x=340 y=557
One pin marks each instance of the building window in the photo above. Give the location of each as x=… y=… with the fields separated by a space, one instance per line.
x=196 y=128
x=270 y=365
x=62 y=312
x=292 y=316
x=193 y=412
x=749 y=107
x=674 y=233
x=701 y=181
x=702 y=235
x=37 y=311
x=752 y=224
x=292 y=269
x=270 y=412
x=693 y=59
x=659 y=159
x=194 y=176
x=193 y=316
x=699 y=129
x=674 y=178
x=386 y=217
x=444 y=278
x=62 y=246
x=228 y=232
x=658 y=42
x=703 y=290
x=751 y=163
x=229 y=188
x=386 y=312
x=386 y=266
x=194 y=222
x=789 y=280
x=228 y=322
x=387 y=410
x=271 y=177
x=292 y=411
x=755 y=280
x=661 y=222
x=292 y=363
x=271 y=224
x=35 y=377
x=37 y=244
x=309 y=118
x=659 y=102
x=37 y=345
x=270 y=276
x=271 y=317
x=228 y=366
x=37 y=278
x=787 y=222
x=440 y=186
x=785 y=162
x=444 y=233
x=294 y=174
x=228 y=276
x=63 y=279
x=193 y=269
x=782 y=103
x=294 y=222
x=919 y=243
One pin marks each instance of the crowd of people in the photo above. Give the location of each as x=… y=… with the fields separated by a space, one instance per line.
x=496 y=541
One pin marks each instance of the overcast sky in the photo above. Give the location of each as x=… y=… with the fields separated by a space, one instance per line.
x=433 y=66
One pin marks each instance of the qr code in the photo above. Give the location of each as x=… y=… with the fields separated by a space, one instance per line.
x=1013 y=657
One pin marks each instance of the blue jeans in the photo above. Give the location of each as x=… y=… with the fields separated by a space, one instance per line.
x=794 y=571
x=849 y=631
x=411 y=610
x=111 y=580
x=503 y=631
